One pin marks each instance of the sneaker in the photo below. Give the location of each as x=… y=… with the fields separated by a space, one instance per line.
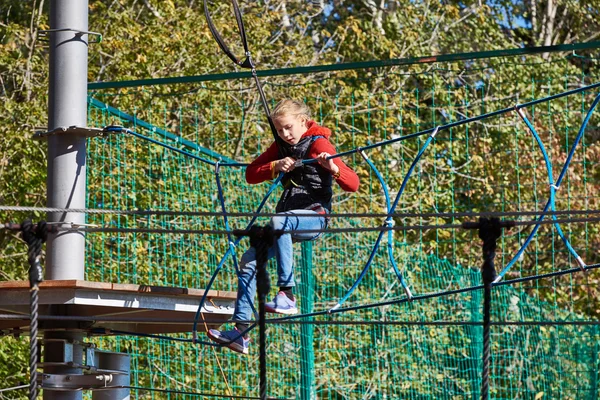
x=281 y=304
x=232 y=339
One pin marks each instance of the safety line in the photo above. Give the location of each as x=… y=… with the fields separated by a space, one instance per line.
x=388 y=222
x=442 y=293
x=457 y=123
x=442 y=58
x=332 y=215
x=550 y=202
x=275 y=321
x=196 y=393
x=242 y=232
x=14 y=388
x=172 y=137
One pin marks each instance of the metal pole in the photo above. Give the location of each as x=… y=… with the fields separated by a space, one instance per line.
x=66 y=185
x=67 y=106
x=307 y=354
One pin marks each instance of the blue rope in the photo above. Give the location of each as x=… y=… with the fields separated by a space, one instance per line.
x=552 y=192
x=175 y=149
x=229 y=252
x=388 y=222
x=550 y=182
x=391 y=210
x=458 y=123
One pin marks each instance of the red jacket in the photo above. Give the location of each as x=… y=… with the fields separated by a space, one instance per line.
x=260 y=169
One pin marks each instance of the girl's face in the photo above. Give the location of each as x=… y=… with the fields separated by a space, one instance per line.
x=290 y=127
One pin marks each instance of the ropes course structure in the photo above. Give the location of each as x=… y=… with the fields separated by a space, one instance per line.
x=383 y=299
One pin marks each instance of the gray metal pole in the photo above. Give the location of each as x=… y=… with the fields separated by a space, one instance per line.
x=67 y=106
x=66 y=185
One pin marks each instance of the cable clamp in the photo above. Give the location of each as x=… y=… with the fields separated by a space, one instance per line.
x=581 y=263
x=298 y=163
x=519 y=111
x=231 y=244
x=554 y=186
x=389 y=222
x=435 y=131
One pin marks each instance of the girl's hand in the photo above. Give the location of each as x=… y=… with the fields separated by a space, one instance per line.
x=285 y=164
x=327 y=164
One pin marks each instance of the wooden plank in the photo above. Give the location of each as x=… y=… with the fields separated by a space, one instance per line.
x=119 y=287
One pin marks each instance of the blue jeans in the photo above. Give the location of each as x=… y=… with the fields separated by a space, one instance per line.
x=284 y=253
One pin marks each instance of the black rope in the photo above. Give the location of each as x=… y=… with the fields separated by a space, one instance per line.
x=261 y=239
x=490 y=229
x=34 y=236
x=247 y=63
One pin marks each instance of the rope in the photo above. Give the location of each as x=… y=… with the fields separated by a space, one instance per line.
x=197 y=393
x=230 y=251
x=116 y=128
x=261 y=239
x=490 y=229
x=550 y=202
x=34 y=236
x=332 y=215
x=348 y=66
x=442 y=293
x=242 y=232
x=248 y=63
x=276 y=321
x=14 y=388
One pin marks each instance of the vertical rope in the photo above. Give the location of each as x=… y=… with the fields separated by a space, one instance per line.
x=489 y=231
x=261 y=239
x=34 y=236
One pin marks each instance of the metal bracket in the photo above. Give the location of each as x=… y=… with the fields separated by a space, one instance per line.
x=72 y=130
x=78 y=382
x=43 y=34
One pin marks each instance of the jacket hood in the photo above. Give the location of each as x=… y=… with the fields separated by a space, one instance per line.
x=316 y=130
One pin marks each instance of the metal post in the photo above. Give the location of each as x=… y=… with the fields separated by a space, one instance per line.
x=67 y=103
x=262 y=239
x=475 y=333
x=307 y=353
x=66 y=185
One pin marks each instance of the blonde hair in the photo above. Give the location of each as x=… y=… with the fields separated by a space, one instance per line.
x=291 y=107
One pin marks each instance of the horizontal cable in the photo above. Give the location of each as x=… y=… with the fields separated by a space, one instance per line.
x=241 y=232
x=446 y=292
x=332 y=215
x=221 y=396
x=14 y=388
x=274 y=321
x=347 y=66
x=449 y=125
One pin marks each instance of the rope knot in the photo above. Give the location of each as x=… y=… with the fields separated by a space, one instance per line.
x=490 y=229
x=34 y=236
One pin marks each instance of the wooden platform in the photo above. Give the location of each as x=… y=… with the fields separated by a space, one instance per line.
x=93 y=306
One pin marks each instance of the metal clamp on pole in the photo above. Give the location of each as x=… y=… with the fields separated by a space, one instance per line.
x=78 y=33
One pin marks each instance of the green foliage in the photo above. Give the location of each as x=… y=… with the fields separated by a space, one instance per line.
x=493 y=165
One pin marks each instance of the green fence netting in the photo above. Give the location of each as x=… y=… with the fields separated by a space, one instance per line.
x=493 y=164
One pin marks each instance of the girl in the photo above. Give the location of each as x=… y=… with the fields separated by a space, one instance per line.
x=307 y=191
